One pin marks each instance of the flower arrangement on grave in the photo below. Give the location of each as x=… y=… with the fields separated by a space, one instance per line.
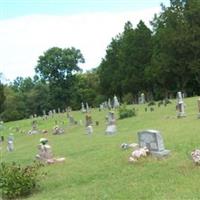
x=138 y=153
x=196 y=156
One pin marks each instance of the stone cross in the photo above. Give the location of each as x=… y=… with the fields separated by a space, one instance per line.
x=152 y=139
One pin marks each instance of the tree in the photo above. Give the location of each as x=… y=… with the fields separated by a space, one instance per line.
x=176 y=46
x=57 y=66
x=2 y=95
x=122 y=70
x=109 y=69
x=14 y=106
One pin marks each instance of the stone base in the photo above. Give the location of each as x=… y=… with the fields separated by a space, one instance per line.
x=181 y=115
x=160 y=154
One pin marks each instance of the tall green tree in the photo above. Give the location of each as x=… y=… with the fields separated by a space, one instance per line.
x=122 y=70
x=109 y=69
x=2 y=95
x=176 y=46
x=57 y=66
x=136 y=57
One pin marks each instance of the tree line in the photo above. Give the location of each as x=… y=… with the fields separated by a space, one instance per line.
x=157 y=62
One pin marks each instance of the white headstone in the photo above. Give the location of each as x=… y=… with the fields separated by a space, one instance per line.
x=180 y=105
x=111 y=124
x=115 y=102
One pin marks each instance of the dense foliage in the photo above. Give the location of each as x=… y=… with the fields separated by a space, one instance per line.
x=125 y=112
x=17 y=181
x=157 y=62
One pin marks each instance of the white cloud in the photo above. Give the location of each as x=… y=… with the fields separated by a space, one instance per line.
x=24 y=39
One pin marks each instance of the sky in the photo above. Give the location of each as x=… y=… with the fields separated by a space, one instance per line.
x=28 y=28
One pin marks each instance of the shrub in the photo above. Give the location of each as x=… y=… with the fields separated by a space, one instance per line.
x=17 y=181
x=151 y=103
x=125 y=112
x=128 y=98
x=167 y=101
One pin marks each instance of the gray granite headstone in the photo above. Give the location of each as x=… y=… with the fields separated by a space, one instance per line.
x=180 y=105
x=152 y=139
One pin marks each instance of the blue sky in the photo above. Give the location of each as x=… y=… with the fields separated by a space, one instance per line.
x=30 y=27
x=15 y=8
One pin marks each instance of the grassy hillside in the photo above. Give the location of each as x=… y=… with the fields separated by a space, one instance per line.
x=97 y=169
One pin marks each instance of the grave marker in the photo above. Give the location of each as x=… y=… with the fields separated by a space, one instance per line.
x=152 y=139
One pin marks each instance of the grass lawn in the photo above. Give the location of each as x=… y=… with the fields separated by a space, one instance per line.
x=97 y=169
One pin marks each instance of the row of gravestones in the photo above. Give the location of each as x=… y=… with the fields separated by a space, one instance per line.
x=110 y=105
x=111 y=123
x=180 y=105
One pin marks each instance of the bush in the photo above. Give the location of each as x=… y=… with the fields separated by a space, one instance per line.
x=167 y=101
x=128 y=98
x=125 y=112
x=151 y=103
x=17 y=181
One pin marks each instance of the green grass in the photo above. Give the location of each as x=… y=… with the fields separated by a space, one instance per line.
x=97 y=169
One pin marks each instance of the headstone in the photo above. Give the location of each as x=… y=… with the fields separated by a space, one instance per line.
x=180 y=106
x=45 y=151
x=101 y=107
x=89 y=130
x=58 y=110
x=115 y=102
x=45 y=154
x=44 y=113
x=198 y=102
x=88 y=124
x=142 y=99
x=10 y=146
x=83 y=110
x=111 y=123
x=152 y=139
x=50 y=113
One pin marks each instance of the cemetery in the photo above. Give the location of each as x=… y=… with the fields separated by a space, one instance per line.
x=119 y=122
x=156 y=150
